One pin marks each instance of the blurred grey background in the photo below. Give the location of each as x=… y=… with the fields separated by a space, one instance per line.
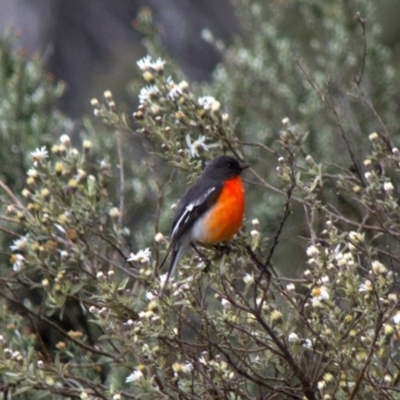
x=92 y=46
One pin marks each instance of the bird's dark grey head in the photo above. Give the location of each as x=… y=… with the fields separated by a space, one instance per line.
x=224 y=166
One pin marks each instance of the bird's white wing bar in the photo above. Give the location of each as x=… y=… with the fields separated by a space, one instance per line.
x=185 y=216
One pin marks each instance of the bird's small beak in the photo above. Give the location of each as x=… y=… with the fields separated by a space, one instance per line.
x=244 y=165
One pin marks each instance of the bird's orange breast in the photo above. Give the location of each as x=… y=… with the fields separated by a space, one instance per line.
x=224 y=219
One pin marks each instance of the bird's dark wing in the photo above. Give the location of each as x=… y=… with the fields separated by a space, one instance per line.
x=195 y=202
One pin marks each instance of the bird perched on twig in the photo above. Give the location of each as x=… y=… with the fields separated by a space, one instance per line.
x=210 y=212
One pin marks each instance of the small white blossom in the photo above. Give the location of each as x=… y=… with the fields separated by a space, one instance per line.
x=39 y=155
x=20 y=244
x=365 y=287
x=388 y=188
x=187 y=368
x=285 y=121
x=312 y=251
x=32 y=172
x=142 y=256
x=318 y=295
x=255 y=234
x=248 y=278
x=100 y=275
x=307 y=343
x=159 y=237
x=293 y=338
x=150 y=296
x=307 y=273
x=396 y=318
x=202 y=360
x=325 y=279
x=226 y=303
x=163 y=279
x=18 y=263
x=208 y=103
x=147 y=93
x=373 y=136
x=378 y=268
x=197 y=145
x=369 y=177
x=321 y=385
x=174 y=93
x=135 y=376
x=158 y=65
x=388 y=379
x=65 y=139
x=145 y=63
x=290 y=288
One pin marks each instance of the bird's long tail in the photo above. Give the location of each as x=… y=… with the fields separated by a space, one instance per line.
x=177 y=253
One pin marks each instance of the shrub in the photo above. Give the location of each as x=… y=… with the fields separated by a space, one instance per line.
x=302 y=303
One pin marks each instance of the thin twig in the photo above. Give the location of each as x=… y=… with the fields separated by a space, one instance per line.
x=121 y=181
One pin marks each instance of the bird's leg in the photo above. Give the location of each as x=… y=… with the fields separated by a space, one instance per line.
x=202 y=256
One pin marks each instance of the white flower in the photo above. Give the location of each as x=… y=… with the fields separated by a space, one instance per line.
x=208 y=103
x=365 y=287
x=290 y=288
x=187 y=367
x=158 y=65
x=32 y=172
x=226 y=303
x=19 y=244
x=159 y=237
x=100 y=275
x=150 y=296
x=388 y=187
x=307 y=343
x=396 y=318
x=163 y=279
x=202 y=360
x=18 y=262
x=142 y=256
x=255 y=234
x=147 y=93
x=145 y=63
x=378 y=268
x=197 y=145
x=134 y=376
x=312 y=251
x=324 y=279
x=373 y=136
x=293 y=337
x=65 y=139
x=174 y=93
x=369 y=177
x=39 y=155
x=248 y=278
x=318 y=295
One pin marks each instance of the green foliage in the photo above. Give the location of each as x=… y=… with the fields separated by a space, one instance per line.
x=27 y=112
x=303 y=303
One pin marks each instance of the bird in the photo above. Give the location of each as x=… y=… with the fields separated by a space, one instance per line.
x=209 y=212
